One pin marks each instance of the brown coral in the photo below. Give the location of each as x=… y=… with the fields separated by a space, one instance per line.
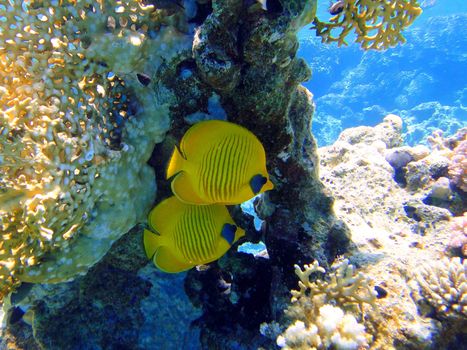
x=378 y=25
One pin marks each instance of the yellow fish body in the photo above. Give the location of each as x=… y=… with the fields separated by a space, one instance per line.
x=218 y=162
x=188 y=235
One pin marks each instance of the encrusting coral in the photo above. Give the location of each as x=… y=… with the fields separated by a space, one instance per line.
x=323 y=310
x=70 y=127
x=377 y=24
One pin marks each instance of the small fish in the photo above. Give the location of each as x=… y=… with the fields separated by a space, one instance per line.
x=218 y=162
x=188 y=235
x=337 y=7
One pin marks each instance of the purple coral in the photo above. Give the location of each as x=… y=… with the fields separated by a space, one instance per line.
x=458 y=166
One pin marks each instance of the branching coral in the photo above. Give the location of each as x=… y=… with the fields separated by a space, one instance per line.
x=69 y=127
x=444 y=285
x=377 y=25
x=323 y=310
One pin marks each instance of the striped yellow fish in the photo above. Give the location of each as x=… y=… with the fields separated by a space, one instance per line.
x=187 y=235
x=218 y=162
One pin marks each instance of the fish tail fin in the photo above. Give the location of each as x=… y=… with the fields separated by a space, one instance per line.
x=176 y=163
x=151 y=243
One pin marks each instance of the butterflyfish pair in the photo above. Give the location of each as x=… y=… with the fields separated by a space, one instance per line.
x=186 y=235
x=218 y=162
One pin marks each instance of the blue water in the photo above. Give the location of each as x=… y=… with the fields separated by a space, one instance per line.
x=424 y=81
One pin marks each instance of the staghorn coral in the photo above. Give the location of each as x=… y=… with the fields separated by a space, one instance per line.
x=323 y=310
x=71 y=125
x=377 y=24
x=444 y=286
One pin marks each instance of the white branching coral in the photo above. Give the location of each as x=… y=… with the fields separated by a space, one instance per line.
x=444 y=286
x=72 y=118
x=324 y=311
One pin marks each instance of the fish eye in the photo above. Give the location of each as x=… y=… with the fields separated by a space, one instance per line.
x=257 y=182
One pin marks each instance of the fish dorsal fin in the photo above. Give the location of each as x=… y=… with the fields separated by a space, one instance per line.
x=182 y=188
x=166 y=261
x=176 y=163
x=228 y=232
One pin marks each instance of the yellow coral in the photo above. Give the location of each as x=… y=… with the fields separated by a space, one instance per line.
x=67 y=135
x=377 y=24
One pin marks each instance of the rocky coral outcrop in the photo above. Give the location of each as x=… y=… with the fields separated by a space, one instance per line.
x=394 y=228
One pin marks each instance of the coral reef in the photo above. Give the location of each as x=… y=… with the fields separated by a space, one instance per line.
x=378 y=25
x=458 y=167
x=74 y=116
x=162 y=69
x=459 y=233
x=395 y=229
x=317 y=309
x=444 y=286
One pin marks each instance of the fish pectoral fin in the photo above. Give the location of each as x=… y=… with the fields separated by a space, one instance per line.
x=184 y=191
x=166 y=261
x=151 y=243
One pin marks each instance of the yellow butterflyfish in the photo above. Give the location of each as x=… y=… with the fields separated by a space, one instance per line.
x=187 y=235
x=218 y=162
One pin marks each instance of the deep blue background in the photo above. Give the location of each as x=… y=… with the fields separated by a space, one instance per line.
x=424 y=81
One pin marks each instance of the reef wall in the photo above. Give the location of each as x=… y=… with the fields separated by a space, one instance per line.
x=165 y=69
